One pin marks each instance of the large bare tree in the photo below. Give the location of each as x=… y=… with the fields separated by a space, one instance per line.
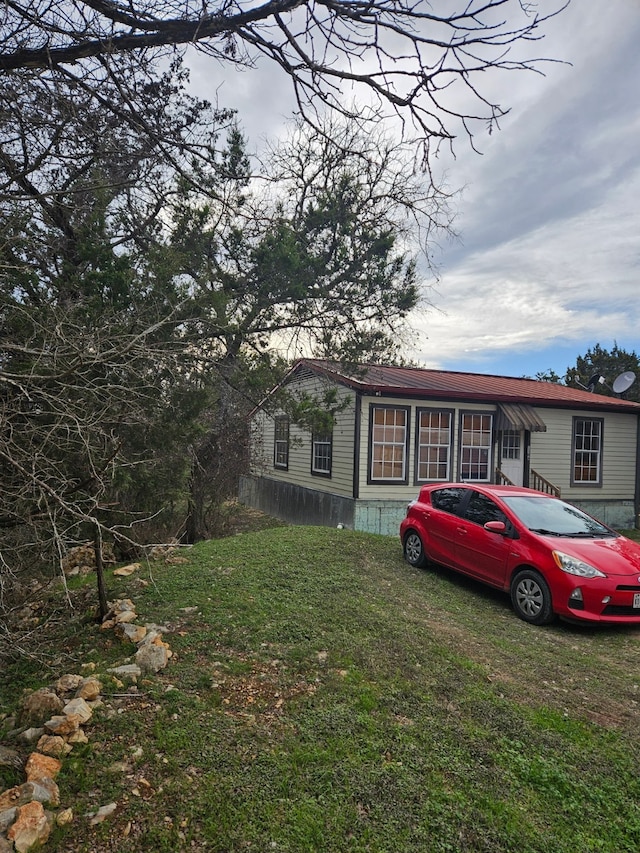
x=422 y=60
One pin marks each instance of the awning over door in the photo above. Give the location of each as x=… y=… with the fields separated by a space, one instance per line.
x=519 y=416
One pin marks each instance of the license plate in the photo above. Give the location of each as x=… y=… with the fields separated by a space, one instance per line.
x=636 y=599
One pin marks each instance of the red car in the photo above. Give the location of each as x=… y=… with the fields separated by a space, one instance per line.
x=554 y=559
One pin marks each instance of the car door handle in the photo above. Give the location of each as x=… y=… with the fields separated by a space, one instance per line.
x=462 y=530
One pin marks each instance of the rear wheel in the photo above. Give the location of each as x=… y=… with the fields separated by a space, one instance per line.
x=531 y=597
x=414 y=550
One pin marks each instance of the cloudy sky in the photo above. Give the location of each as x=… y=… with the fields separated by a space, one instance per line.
x=547 y=263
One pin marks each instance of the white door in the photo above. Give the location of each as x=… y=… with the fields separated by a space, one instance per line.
x=512 y=455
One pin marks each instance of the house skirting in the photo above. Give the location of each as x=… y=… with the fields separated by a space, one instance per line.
x=296 y=504
x=300 y=505
x=617 y=514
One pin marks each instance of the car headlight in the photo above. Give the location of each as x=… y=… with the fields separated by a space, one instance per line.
x=574 y=566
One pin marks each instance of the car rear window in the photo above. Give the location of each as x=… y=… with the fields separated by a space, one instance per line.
x=447 y=500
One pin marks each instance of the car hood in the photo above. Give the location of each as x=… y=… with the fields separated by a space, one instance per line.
x=615 y=556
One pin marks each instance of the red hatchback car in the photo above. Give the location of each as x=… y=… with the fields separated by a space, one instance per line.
x=554 y=559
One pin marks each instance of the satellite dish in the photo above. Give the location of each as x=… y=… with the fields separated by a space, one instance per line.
x=596 y=379
x=623 y=382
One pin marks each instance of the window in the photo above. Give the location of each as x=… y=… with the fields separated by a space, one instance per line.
x=281 y=443
x=388 y=444
x=448 y=500
x=482 y=509
x=475 y=446
x=587 y=452
x=433 y=452
x=321 y=446
x=511 y=444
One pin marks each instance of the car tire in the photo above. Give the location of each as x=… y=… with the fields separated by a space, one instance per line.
x=531 y=598
x=414 y=550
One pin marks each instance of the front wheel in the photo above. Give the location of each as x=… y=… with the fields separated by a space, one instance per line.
x=414 y=550
x=531 y=598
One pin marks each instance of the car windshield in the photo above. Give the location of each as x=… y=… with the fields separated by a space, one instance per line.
x=552 y=517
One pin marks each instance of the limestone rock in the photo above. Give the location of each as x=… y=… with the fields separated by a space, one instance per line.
x=103 y=813
x=89 y=689
x=78 y=737
x=6 y=846
x=125 y=571
x=129 y=631
x=82 y=559
x=41 y=790
x=123 y=605
x=16 y=796
x=127 y=670
x=152 y=658
x=7 y=817
x=63 y=724
x=68 y=683
x=126 y=616
x=64 y=817
x=40 y=766
x=53 y=745
x=78 y=708
x=45 y=791
x=31 y=827
x=39 y=706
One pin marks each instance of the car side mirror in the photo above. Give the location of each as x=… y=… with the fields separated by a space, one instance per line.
x=496 y=526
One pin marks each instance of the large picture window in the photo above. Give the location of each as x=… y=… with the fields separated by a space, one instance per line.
x=433 y=445
x=475 y=446
x=321 y=451
x=587 y=452
x=388 y=437
x=281 y=443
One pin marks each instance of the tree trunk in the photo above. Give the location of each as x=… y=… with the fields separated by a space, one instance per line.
x=103 y=607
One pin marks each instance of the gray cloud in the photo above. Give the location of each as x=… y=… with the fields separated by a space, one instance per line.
x=550 y=223
x=548 y=260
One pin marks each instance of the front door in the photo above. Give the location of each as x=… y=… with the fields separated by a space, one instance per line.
x=512 y=455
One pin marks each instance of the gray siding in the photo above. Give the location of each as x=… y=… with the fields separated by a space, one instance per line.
x=299 y=471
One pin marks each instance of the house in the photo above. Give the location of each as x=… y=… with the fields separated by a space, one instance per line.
x=396 y=428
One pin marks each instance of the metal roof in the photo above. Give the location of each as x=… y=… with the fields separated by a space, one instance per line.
x=519 y=416
x=424 y=383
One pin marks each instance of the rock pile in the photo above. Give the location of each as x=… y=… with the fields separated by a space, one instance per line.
x=82 y=559
x=53 y=720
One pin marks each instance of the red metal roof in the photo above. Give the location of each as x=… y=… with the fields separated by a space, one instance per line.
x=453 y=385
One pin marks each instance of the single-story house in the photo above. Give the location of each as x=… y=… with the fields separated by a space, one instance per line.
x=397 y=428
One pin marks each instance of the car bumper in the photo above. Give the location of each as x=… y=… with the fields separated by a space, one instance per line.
x=610 y=600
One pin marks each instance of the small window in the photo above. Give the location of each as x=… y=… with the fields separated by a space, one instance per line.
x=475 y=446
x=433 y=440
x=587 y=452
x=321 y=451
x=511 y=444
x=388 y=444
x=482 y=509
x=281 y=443
x=448 y=500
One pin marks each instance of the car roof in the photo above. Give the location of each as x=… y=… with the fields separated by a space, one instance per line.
x=492 y=489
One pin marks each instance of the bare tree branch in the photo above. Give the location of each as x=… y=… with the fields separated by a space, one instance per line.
x=405 y=55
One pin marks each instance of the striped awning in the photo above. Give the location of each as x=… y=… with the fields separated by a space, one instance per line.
x=519 y=416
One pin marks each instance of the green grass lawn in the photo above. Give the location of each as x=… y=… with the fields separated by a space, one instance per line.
x=325 y=696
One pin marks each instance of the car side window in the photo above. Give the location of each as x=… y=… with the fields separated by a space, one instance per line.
x=481 y=509
x=448 y=500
